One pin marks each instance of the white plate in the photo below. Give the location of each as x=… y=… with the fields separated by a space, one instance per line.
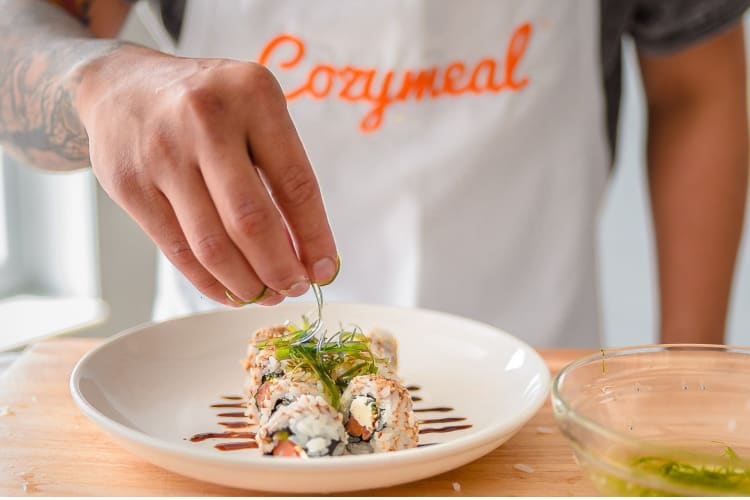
x=151 y=388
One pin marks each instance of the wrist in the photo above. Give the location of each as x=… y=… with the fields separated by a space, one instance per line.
x=100 y=75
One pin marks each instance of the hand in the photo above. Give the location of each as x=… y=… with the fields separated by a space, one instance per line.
x=203 y=155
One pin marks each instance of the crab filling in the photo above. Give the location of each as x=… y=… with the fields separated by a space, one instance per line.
x=363 y=418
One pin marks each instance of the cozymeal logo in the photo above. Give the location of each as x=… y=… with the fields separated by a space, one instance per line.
x=380 y=89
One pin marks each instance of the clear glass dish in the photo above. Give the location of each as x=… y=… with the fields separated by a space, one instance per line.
x=659 y=420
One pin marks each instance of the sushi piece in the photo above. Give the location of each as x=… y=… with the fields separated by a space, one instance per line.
x=260 y=364
x=384 y=346
x=349 y=354
x=378 y=416
x=276 y=393
x=268 y=333
x=308 y=427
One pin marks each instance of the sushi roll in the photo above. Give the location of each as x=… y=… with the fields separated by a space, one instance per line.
x=279 y=392
x=309 y=427
x=260 y=364
x=268 y=333
x=384 y=347
x=378 y=416
x=374 y=353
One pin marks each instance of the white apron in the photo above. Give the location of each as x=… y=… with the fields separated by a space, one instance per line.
x=460 y=148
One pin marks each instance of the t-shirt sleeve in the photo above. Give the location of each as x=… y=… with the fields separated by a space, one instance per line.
x=664 y=26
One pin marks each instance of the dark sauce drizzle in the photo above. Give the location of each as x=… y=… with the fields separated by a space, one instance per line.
x=236 y=425
x=442 y=409
x=240 y=402
x=221 y=435
x=446 y=420
x=232 y=414
x=242 y=445
x=441 y=430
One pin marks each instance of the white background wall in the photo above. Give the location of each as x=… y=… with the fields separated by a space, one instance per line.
x=628 y=285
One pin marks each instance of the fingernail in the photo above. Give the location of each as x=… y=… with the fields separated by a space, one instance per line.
x=326 y=269
x=297 y=289
x=240 y=302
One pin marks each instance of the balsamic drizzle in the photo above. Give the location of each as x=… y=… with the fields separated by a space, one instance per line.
x=240 y=402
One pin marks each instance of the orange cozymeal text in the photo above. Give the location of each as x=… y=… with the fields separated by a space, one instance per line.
x=358 y=84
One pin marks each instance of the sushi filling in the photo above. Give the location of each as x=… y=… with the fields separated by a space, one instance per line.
x=286 y=446
x=364 y=419
x=274 y=369
x=264 y=393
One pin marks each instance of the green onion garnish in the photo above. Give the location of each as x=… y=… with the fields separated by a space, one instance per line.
x=333 y=360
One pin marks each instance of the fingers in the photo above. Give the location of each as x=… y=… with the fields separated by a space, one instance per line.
x=251 y=219
x=207 y=239
x=279 y=153
x=201 y=198
x=154 y=214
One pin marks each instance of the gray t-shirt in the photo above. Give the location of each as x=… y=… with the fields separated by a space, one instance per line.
x=656 y=26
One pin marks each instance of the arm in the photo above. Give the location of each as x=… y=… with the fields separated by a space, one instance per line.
x=201 y=153
x=43 y=52
x=698 y=179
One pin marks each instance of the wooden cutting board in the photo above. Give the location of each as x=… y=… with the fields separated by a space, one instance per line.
x=48 y=447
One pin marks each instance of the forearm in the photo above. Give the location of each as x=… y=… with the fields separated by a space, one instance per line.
x=698 y=177
x=43 y=54
x=177 y=142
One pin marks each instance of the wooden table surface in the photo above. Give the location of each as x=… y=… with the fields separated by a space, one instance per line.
x=48 y=447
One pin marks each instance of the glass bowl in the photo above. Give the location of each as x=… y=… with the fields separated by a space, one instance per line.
x=659 y=420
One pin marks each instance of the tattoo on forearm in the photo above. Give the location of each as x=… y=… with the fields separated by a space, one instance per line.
x=38 y=119
x=41 y=52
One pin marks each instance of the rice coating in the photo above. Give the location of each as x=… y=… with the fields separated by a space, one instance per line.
x=378 y=415
x=282 y=391
x=309 y=423
x=384 y=346
x=261 y=363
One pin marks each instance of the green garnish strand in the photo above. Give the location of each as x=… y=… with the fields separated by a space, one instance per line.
x=281 y=435
x=344 y=348
x=352 y=372
x=323 y=357
x=712 y=477
x=729 y=452
x=329 y=385
x=292 y=328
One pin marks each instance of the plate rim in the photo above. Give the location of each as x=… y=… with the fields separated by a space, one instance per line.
x=493 y=432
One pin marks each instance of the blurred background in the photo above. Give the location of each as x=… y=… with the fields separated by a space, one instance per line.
x=72 y=261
